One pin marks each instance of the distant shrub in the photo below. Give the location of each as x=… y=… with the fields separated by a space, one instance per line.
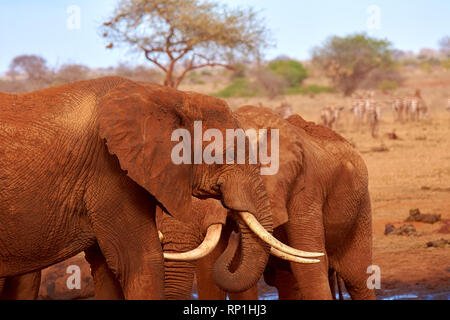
x=426 y=66
x=240 y=87
x=239 y=71
x=270 y=83
x=206 y=73
x=293 y=72
x=349 y=60
x=446 y=64
x=296 y=90
x=316 y=89
x=137 y=73
x=69 y=73
x=388 y=85
x=312 y=89
x=387 y=76
x=409 y=62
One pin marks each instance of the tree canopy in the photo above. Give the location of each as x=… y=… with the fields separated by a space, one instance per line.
x=292 y=71
x=32 y=66
x=183 y=35
x=347 y=61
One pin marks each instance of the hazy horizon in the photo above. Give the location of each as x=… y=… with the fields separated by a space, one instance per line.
x=50 y=29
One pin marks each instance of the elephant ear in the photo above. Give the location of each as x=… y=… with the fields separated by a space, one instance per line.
x=290 y=174
x=137 y=124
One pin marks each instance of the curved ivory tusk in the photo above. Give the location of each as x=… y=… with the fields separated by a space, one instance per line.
x=206 y=247
x=289 y=257
x=262 y=233
x=161 y=236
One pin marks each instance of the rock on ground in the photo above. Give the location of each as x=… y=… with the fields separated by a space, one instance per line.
x=416 y=216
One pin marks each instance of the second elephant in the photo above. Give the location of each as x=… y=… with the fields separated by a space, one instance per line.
x=320 y=202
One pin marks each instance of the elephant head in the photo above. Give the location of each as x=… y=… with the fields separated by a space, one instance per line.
x=139 y=122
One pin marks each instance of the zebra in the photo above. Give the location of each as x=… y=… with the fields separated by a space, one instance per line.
x=330 y=115
x=416 y=107
x=398 y=108
x=285 y=110
x=358 y=109
x=374 y=117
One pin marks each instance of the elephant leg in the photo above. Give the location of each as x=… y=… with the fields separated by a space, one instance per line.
x=107 y=287
x=287 y=285
x=24 y=287
x=278 y=274
x=336 y=285
x=351 y=265
x=124 y=224
x=305 y=231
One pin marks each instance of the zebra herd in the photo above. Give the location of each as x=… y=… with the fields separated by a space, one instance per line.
x=410 y=108
x=364 y=108
x=367 y=110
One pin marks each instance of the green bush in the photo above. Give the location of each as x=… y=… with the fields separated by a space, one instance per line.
x=388 y=85
x=316 y=89
x=312 y=89
x=349 y=60
x=290 y=70
x=240 y=87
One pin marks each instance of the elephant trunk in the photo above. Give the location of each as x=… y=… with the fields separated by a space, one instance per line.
x=178 y=279
x=253 y=253
x=178 y=275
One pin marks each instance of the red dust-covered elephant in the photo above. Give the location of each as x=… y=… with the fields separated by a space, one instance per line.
x=320 y=202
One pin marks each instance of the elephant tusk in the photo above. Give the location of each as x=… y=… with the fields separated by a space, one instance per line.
x=288 y=257
x=262 y=233
x=206 y=247
x=161 y=236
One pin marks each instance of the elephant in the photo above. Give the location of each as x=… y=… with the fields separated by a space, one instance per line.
x=86 y=166
x=22 y=287
x=320 y=201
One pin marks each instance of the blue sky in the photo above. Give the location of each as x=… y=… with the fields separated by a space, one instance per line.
x=40 y=27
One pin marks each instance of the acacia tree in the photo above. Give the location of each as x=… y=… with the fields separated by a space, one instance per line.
x=347 y=61
x=32 y=66
x=179 y=36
